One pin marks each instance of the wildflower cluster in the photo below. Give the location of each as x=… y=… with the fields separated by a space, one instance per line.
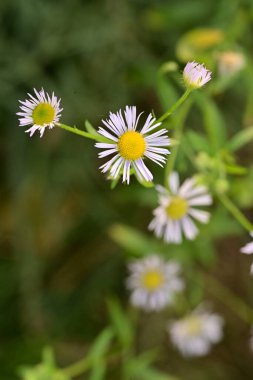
x=126 y=141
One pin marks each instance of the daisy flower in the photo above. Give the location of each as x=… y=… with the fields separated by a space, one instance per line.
x=176 y=211
x=129 y=146
x=248 y=250
x=40 y=111
x=194 y=334
x=153 y=282
x=196 y=75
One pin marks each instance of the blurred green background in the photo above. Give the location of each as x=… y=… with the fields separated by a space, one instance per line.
x=58 y=261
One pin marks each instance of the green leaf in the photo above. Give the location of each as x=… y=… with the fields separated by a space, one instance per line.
x=46 y=370
x=101 y=344
x=131 y=240
x=121 y=323
x=213 y=120
x=138 y=368
x=114 y=182
x=198 y=141
x=90 y=128
x=240 y=139
x=166 y=92
x=236 y=169
x=98 y=371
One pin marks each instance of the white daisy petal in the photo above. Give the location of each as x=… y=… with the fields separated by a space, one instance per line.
x=148 y=124
x=196 y=191
x=107 y=152
x=40 y=111
x=126 y=172
x=108 y=164
x=114 y=171
x=248 y=250
x=106 y=134
x=189 y=228
x=105 y=145
x=187 y=186
x=132 y=146
x=203 y=200
x=174 y=182
x=200 y=215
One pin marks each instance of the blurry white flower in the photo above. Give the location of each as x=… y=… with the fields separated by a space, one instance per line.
x=230 y=62
x=176 y=209
x=153 y=282
x=40 y=111
x=129 y=147
x=196 y=75
x=194 y=334
x=248 y=250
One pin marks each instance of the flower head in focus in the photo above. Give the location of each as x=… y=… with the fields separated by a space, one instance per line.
x=248 y=250
x=196 y=75
x=173 y=217
x=40 y=111
x=194 y=334
x=129 y=147
x=153 y=282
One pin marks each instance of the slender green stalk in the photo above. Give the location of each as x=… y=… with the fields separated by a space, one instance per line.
x=79 y=132
x=240 y=308
x=78 y=368
x=177 y=137
x=232 y=208
x=175 y=106
x=87 y=363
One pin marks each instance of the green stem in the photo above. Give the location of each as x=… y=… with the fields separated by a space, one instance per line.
x=177 y=136
x=235 y=303
x=175 y=106
x=232 y=208
x=86 y=363
x=78 y=368
x=79 y=132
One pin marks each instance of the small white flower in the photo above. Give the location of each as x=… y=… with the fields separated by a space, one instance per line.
x=173 y=216
x=194 y=334
x=196 y=75
x=248 y=250
x=230 y=62
x=40 y=111
x=153 y=282
x=129 y=147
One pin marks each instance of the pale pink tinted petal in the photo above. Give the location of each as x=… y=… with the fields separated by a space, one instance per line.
x=247 y=249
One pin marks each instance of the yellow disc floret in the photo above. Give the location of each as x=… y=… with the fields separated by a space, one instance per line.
x=152 y=280
x=43 y=114
x=131 y=145
x=177 y=208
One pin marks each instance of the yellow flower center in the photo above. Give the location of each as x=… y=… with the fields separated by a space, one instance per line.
x=177 y=208
x=152 y=280
x=43 y=113
x=193 y=326
x=131 y=145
